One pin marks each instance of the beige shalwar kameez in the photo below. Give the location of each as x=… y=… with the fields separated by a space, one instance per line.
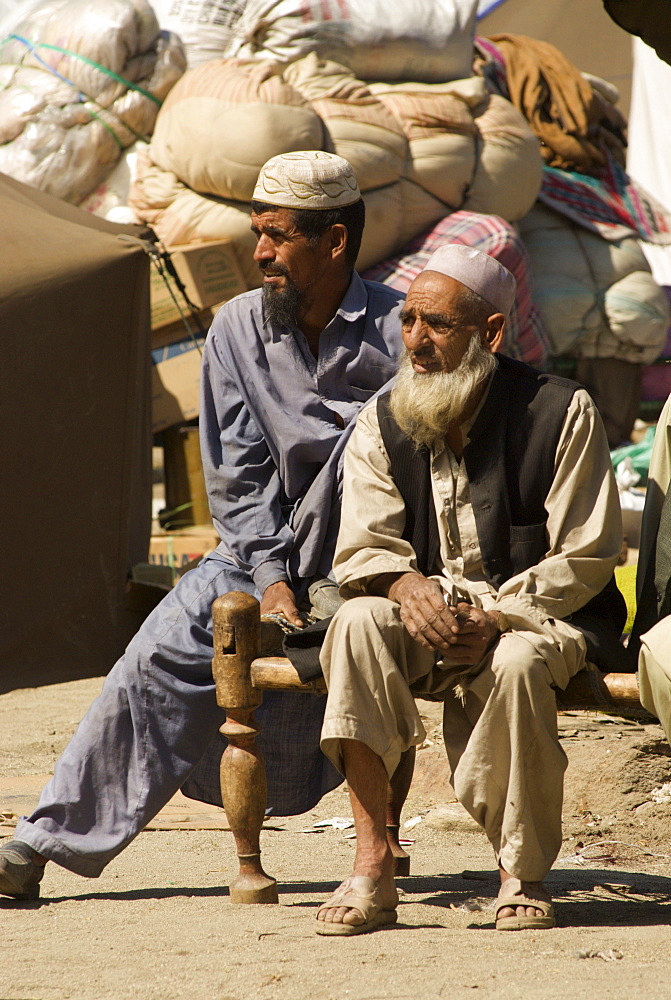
x=654 y=658
x=500 y=720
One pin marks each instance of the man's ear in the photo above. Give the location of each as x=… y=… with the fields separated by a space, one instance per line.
x=339 y=237
x=492 y=337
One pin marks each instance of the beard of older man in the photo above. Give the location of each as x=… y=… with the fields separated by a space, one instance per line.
x=281 y=304
x=424 y=405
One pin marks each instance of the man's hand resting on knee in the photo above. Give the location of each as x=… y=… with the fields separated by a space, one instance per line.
x=279 y=599
x=462 y=633
x=478 y=631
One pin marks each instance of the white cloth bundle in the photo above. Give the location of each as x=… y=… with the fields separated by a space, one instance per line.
x=79 y=82
x=597 y=297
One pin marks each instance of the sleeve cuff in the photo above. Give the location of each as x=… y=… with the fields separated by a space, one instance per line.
x=517 y=613
x=380 y=566
x=268 y=573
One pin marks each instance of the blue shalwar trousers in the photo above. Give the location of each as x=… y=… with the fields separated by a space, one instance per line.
x=154 y=729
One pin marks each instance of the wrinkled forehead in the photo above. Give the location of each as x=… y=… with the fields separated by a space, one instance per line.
x=432 y=292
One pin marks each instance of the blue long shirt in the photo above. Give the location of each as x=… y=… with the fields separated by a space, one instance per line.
x=271 y=447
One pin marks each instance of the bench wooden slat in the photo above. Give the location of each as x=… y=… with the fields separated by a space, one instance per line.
x=277 y=673
x=588 y=689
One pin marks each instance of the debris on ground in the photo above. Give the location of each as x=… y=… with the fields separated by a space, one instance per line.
x=611 y=955
x=337 y=822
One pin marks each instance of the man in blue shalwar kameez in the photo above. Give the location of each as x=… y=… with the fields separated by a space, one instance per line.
x=286 y=369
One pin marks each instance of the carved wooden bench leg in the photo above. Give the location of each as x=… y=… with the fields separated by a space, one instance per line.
x=399 y=786
x=235 y=618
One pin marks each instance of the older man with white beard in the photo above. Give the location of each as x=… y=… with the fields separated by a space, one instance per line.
x=480 y=529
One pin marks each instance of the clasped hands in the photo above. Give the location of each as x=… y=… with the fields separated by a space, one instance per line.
x=461 y=632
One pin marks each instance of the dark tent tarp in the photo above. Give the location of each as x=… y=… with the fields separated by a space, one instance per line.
x=75 y=512
x=649 y=19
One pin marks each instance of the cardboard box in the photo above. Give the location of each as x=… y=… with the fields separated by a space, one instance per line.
x=210 y=273
x=175 y=383
x=177 y=548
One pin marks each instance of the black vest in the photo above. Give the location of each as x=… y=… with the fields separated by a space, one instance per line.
x=510 y=465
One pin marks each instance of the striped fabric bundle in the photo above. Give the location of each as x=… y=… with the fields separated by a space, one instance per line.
x=610 y=203
x=613 y=205
x=525 y=337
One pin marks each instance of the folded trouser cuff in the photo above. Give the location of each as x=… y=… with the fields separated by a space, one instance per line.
x=53 y=849
x=347 y=728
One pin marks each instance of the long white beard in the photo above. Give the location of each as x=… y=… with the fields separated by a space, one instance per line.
x=424 y=405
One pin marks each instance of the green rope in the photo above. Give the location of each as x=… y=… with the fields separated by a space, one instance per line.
x=111 y=131
x=89 y=62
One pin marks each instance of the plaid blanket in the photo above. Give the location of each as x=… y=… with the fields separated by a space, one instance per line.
x=611 y=204
x=525 y=336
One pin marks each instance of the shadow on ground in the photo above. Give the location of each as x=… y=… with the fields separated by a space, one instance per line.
x=585 y=898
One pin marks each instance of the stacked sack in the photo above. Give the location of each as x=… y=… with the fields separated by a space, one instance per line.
x=419 y=150
x=428 y=40
x=598 y=297
x=425 y=40
x=206 y=27
x=591 y=281
x=80 y=82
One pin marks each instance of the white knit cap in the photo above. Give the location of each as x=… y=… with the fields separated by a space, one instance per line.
x=310 y=179
x=478 y=271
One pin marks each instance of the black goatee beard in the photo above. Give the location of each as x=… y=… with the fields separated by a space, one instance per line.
x=424 y=405
x=281 y=305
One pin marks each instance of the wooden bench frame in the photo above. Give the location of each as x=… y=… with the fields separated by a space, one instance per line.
x=241 y=676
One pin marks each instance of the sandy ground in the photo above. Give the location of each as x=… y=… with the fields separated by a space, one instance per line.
x=158 y=924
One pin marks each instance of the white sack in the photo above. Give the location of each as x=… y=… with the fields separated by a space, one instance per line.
x=78 y=84
x=356 y=124
x=223 y=120
x=470 y=149
x=206 y=27
x=597 y=297
x=378 y=40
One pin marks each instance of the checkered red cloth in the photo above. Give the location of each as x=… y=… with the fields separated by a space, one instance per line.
x=525 y=336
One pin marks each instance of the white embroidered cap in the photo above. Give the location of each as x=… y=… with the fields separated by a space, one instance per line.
x=478 y=271
x=310 y=179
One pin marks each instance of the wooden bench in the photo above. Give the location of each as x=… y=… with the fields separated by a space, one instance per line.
x=242 y=672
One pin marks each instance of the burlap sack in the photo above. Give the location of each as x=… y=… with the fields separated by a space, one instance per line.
x=441 y=134
x=179 y=215
x=508 y=176
x=419 y=211
x=394 y=215
x=384 y=223
x=222 y=122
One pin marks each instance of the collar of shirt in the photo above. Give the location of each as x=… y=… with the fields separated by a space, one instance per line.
x=355 y=301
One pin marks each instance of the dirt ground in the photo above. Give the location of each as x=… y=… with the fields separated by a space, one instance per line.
x=158 y=924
